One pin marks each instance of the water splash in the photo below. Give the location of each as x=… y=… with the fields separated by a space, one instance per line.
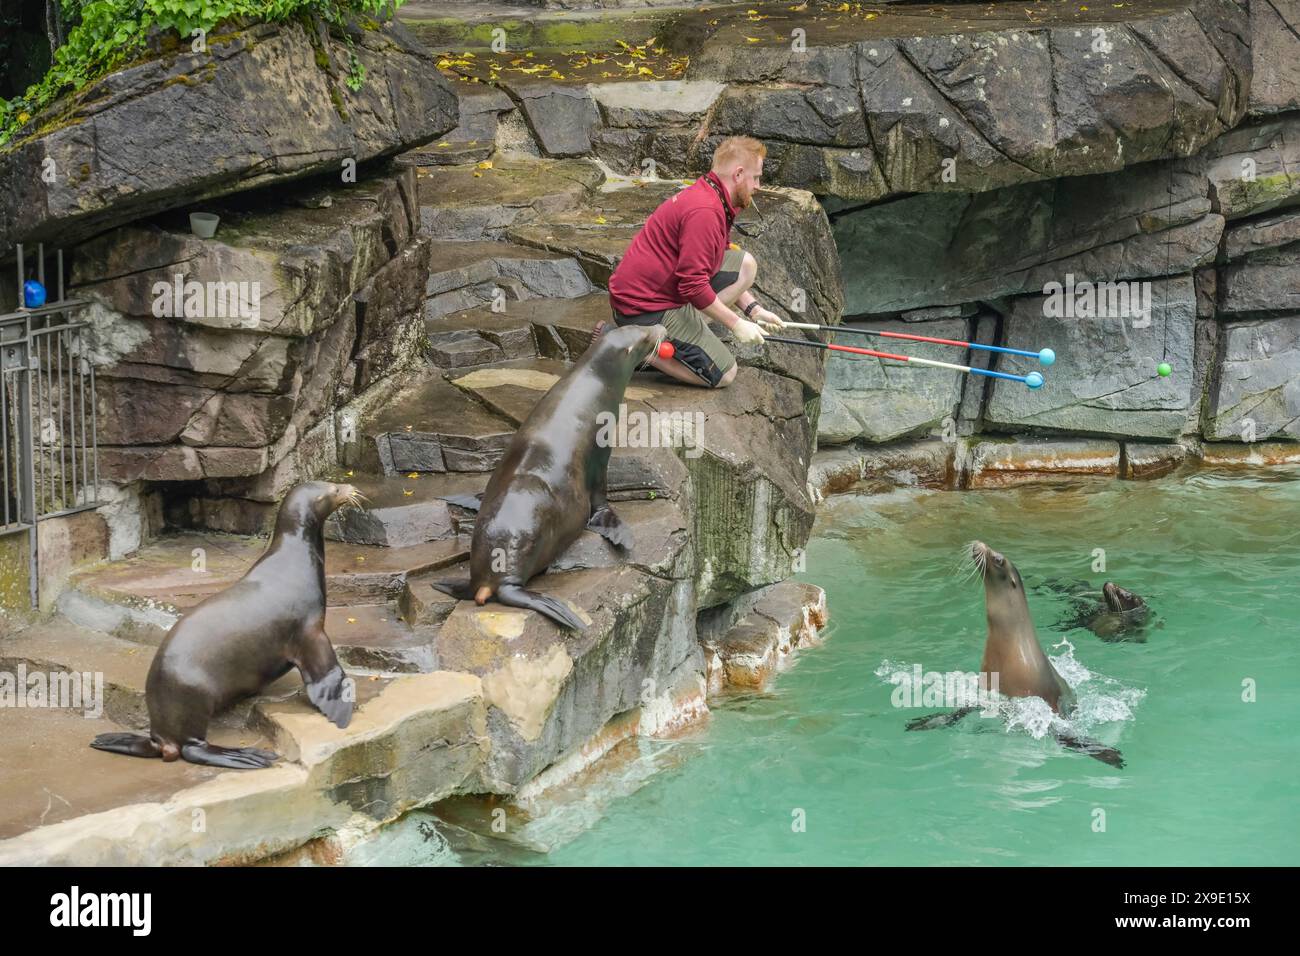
x=1099 y=699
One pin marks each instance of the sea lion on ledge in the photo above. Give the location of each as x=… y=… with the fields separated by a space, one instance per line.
x=550 y=484
x=237 y=641
x=1013 y=654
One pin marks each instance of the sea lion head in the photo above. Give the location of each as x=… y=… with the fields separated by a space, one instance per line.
x=1120 y=600
x=1004 y=592
x=618 y=351
x=311 y=502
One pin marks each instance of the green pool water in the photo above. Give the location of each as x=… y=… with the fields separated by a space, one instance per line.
x=1210 y=778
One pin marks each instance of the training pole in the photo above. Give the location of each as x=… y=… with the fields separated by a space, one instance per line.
x=1046 y=356
x=1032 y=380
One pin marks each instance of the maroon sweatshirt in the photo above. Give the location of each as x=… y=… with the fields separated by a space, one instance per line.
x=676 y=253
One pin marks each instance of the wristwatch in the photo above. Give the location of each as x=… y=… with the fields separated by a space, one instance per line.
x=750 y=308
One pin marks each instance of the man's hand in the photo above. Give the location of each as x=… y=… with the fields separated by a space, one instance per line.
x=768 y=319
x=747 y=332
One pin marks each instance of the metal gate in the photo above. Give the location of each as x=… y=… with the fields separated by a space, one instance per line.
x=47 y=414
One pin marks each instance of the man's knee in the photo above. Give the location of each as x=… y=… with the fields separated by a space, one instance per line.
x=748 y=269
x=728 y=377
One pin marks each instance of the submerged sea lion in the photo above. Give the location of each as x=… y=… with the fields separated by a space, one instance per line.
x=237 y=641
x=550 y=484
x=1013 y=656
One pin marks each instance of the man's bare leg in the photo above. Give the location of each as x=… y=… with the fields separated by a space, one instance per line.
x=731 y=295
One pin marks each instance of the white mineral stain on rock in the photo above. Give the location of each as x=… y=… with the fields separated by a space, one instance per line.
x=525 y=689
x=506 y=625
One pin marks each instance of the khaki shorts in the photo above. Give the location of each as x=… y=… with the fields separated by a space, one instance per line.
x=694 y=343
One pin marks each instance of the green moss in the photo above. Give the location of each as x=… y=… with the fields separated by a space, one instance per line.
x=586 y=34
x=14 y=572
x=337 y=99
x=1263 y=190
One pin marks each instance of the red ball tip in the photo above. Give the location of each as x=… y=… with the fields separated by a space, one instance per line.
x=666 y=350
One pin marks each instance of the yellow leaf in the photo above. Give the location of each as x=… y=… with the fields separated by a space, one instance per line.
x=645 y=71
x=443 y=145
x=414 y=474
x=352 y=620
x=486 y=164
x=408 y=492
x=361 y=559
x=753 y=39
x=600 y=220
x=555 y=75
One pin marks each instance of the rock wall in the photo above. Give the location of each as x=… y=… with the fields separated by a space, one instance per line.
x=1193 y=260
x=969 y=157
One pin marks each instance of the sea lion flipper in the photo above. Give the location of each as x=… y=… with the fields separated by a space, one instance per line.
x=933 y=721
x=232 y=758
x=459 y=588
x=1093 y=748
x=513 y=595
x=611 y=527
x=326 y=693
x=133 y=745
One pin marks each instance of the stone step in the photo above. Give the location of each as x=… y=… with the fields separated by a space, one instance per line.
x=470 y=202
x=140 y=597
x=376 y=637
x=480 y=335
x=403 y=510
x=363 y=574
x=433 y=427
x=510 y=389
x=465 y=274
x=413 y=739
x=546 y=328
x=598 y=231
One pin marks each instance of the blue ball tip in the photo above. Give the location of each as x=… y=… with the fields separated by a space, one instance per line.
x=1047 y=356
x=1034 y=380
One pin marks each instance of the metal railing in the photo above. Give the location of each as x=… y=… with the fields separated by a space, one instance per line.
x=48 y=425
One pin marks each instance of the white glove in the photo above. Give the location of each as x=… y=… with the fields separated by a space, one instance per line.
x=747 y=332
x=768 y=319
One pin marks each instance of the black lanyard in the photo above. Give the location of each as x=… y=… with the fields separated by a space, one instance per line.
x=726 y=209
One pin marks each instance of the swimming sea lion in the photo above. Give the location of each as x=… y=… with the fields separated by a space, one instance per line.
x=1122 y=615
x=237 y=641
x=550 y=484
x=1119 y=615
x=1012 y=655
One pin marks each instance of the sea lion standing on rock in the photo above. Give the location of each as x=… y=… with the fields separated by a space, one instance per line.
x=1013 y=657
x=237 y=641
x=550 y=484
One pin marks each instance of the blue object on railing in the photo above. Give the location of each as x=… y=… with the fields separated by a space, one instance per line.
x=33 y=294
